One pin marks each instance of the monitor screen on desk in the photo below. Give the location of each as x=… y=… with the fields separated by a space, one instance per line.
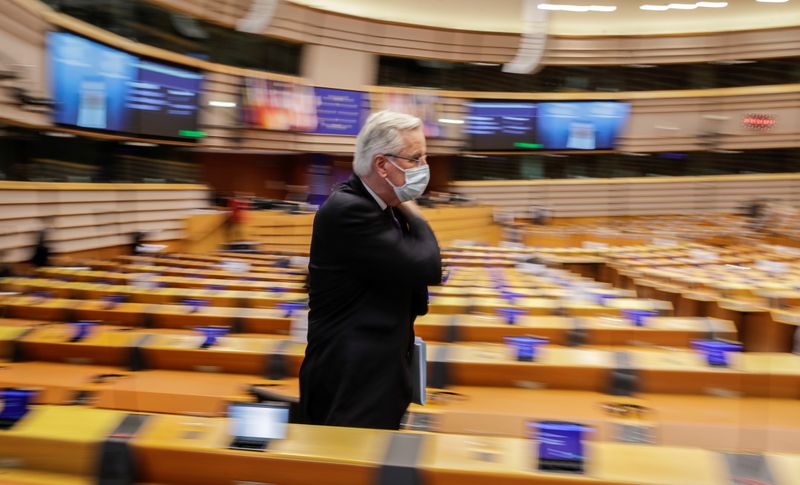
x=259 y=421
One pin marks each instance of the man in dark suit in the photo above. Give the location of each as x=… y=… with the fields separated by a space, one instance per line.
x=372 y=257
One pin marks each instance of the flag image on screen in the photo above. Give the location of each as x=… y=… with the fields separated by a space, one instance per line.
x=99 y=87
x=592 y=125
x=90 y=82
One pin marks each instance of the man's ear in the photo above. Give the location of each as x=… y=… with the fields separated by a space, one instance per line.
x=379 y=164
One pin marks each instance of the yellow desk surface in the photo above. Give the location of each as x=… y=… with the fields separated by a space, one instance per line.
x=7 y=335
x=450 y=459
x=176 y=392
x=38 y=308
x=104 y=345
x=176 y=449
x=709 y=422
x=55 y=383
x=94 y=291
x=60 y=439
x=206 y=273
x=231 y=354
x=669 y=331
x=784 y=468
x=542 y=306
x=12 y=476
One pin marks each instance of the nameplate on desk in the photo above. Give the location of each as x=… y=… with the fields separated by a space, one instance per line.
x=634 y=433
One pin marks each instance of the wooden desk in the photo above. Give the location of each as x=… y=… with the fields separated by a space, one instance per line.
x=542 y=306
x=130 y=314
x=9 y=333
x=230 y=355
x=709 y=422
x=181 y=450
x=38 y=308
x=669 y=331
x=59 y=439
x=11 y=476
x=454 y=459
x=176 y=392
x=94 y=291
x=104 y=345
x=784 y=468
x=55 y=383
x=495 y=365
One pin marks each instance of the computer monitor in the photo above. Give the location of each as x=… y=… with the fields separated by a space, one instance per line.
x=560 y=445
x=254 y=425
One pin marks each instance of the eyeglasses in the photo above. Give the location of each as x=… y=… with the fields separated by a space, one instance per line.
x=415 y=161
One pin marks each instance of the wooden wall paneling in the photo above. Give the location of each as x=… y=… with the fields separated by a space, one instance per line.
x=632 y=197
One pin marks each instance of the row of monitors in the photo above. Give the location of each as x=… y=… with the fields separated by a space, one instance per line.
x=100 y=87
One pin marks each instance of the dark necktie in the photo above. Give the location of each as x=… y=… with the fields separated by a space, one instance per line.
x=396 y=222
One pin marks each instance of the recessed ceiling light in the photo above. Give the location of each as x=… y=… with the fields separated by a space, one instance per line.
x=657 y=8
x=59 y=134
x=222 y=104
x=139 y=144
x=772 y=1
x=683 y=6
x=577 y=8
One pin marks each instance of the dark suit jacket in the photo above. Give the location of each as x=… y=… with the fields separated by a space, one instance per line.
x=367 y=283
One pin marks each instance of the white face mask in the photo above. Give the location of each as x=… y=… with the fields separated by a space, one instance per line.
x=416 y=182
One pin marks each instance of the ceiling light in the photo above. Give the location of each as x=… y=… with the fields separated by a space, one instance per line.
x=712 y=4
x=683 y=6
x=59 y=134
x=772 y=1
x=451 y=121
x=577 y=8
x=484 y=64
x=658 y=8
x=222 y=104
x=140 y=144
x=732 y=62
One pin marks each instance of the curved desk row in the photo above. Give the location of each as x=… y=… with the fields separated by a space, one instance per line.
x=270 y=296
x=69 y=441
x=249 y=320
x=118 y=278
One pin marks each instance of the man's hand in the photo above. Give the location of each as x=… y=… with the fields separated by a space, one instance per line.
x=411 y=209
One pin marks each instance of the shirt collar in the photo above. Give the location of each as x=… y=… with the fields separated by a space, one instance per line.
x=383 y=205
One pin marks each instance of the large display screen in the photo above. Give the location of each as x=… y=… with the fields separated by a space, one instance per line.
x=340 y=112
x=593 y=125
x=501 y=126
x=278 y=105
x=99 y=87
x=424 y=106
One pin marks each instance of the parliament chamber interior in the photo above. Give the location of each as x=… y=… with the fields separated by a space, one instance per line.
x=614 y=187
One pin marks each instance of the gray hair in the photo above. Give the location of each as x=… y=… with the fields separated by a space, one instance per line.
x=381 y=134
